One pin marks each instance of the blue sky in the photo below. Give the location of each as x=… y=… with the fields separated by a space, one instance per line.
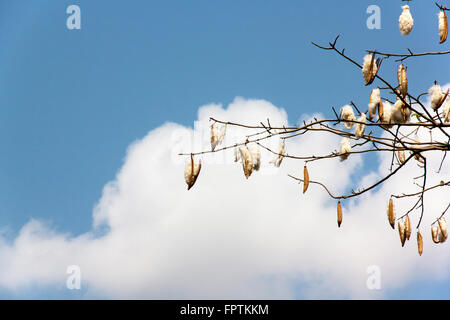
x=72 y=101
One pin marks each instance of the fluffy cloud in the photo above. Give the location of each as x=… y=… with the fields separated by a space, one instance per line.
x=229 y=237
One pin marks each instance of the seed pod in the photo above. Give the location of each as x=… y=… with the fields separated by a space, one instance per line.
x=402 y=80
x=443 y=26
x=401 y=156
x=380 y=110
x=217 y=135
x=402 y=232
x=407 y=227
x=191 y=172
x=256 y=156
x=443 y=228
x=374 y=101
x=346 y=148
x=437 y=97
x=279 y=157
x=434 y=234
x=441 y=236
x=419 y=243
x=247 y=163
x=405 y=21
x=360 y=127
x=237 y=155
x=391 y=213
x=347 y=114
x=370 y=68
x=339 y=214
x=305 y=179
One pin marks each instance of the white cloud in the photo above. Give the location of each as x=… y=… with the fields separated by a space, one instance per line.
x=229 y=237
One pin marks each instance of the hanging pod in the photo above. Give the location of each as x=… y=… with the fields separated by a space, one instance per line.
x=391 y=213
x=247 y=163
x=346 y=148
x=402 y=232
x=434 y=234
x=437 y=97
x=370 y=68
x=360 y=127
x=256 y=156
x=407 y=227
x=305 y=179
x=405 y=21
x=279 y=157
x=339 y=214
x=419 y=243
x=217 y=135
x=443 y=26
x=191 y=172
x=347 y=115
x=402 y=80
x=443 y=228
x=374 y=101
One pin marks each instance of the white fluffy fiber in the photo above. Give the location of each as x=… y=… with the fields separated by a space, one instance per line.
x=405 y=21
x=375 y=99
x=348 y=114
x=279 y=158
x=397 y=116
x=256 y=156
x=217 y=135
x=359 y=128
x=345 y=148
x=387 y=112
x=436 y=96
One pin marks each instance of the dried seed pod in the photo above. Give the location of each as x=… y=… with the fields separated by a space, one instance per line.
x=347 y=114
x=434 y=234
x=191 y=171
x=360 y=127
x=397 y=115
x=419 y=243
x=237 y=154
x=256 y=156
x=401 y=156
x=443 y=228
x=217 y=135
x=247 y=163
x=339 y=214
x=305 y=179
x=405 y=21
x=402 y=80
x=374 y=100
x=345 y=149
x=380 y=110
x=370 y=68
x=437 y=97
x=386 y=114
x=441 y=236
x=401 y=231
x=407 y=227
x=279 y=157
x=443 y=26
x=391 y=213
